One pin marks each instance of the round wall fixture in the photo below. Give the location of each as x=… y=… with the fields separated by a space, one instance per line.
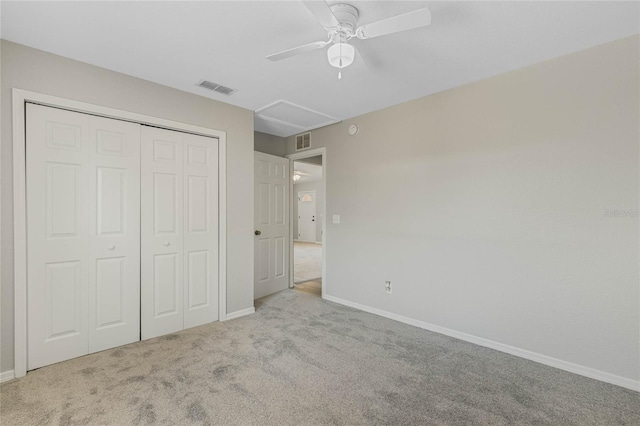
x=353 y=130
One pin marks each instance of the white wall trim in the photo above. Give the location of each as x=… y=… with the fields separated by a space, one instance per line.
x=298 y=156
x=241 y=313
x=5 y=376
x=222 y=228
x=20 y=97
x=512 y=350
x=19 y=234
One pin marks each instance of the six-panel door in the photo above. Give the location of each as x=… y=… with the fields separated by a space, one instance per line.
x=179 y=231
x=84 y=259
x=83 y=234
x=271 y=217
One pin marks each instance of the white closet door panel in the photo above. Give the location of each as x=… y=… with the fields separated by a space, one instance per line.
x=114 y=252
x=162 y=232
x=200 y=230
x=57 y=151
x=166 y=285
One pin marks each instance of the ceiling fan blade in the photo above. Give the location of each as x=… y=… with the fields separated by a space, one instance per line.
x=297 y=50
x=407 y=21
x=322 y=12
x=363 y=55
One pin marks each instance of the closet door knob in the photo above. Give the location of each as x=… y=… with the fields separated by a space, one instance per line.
x=111 y=247
x=166 y=243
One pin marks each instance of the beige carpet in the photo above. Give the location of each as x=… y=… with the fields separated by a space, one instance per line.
x=301 y=360
x=307 y=261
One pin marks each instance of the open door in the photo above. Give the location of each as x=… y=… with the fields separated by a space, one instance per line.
x=271 y=218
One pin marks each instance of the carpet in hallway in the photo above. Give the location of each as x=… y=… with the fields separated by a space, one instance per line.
x=307 y=261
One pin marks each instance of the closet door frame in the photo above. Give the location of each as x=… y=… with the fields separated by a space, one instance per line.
x=20 y=98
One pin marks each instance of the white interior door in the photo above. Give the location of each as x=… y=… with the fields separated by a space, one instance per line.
x=58 y=235
x=179 y=231
x=200 y=230
x=162 y=191
x=87 y=250
x=114 y=233
x=83 y=232
x=271 y=217
x=307 y=216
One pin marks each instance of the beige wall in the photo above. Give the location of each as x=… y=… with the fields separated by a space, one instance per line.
x=37 y=71
x=487 y=207
x=269 y=144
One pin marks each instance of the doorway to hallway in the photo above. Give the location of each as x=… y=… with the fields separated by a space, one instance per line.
x=307 y=267
x=308 y=211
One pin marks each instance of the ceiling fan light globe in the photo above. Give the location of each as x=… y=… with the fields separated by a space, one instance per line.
x=341 y=55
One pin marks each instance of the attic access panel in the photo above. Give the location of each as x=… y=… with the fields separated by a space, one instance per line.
x=294 y=116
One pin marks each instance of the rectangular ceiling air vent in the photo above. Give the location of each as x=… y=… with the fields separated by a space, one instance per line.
x=217 y=87
x=303 y=141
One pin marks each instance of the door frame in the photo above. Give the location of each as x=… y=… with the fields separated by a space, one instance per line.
x=315 y=204
x=19 y=99
x=299 y=156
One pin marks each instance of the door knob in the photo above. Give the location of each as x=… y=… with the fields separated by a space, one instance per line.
x=111 y=247
x=258 y=232
x=166 y=243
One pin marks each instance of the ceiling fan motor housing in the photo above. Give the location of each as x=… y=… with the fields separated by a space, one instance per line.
x=347 y=16
x=341 y=54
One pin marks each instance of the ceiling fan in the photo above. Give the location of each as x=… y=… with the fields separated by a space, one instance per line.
x=340 y=22
x=297 y=175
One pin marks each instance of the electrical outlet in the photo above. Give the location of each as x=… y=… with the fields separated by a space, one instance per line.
x=387 y=287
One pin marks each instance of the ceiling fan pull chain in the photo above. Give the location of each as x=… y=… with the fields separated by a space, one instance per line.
x=340 y=67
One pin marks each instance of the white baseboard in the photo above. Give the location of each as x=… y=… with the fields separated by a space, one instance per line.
x=512 y=350
x=5 y=376
x=240 y=313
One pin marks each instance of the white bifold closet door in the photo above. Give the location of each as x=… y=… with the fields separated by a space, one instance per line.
x=179 y=210
x=83 y=226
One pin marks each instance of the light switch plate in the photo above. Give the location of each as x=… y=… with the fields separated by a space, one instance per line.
x=336 y=218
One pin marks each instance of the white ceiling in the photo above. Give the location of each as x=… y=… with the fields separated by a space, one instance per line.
x=178 y=44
